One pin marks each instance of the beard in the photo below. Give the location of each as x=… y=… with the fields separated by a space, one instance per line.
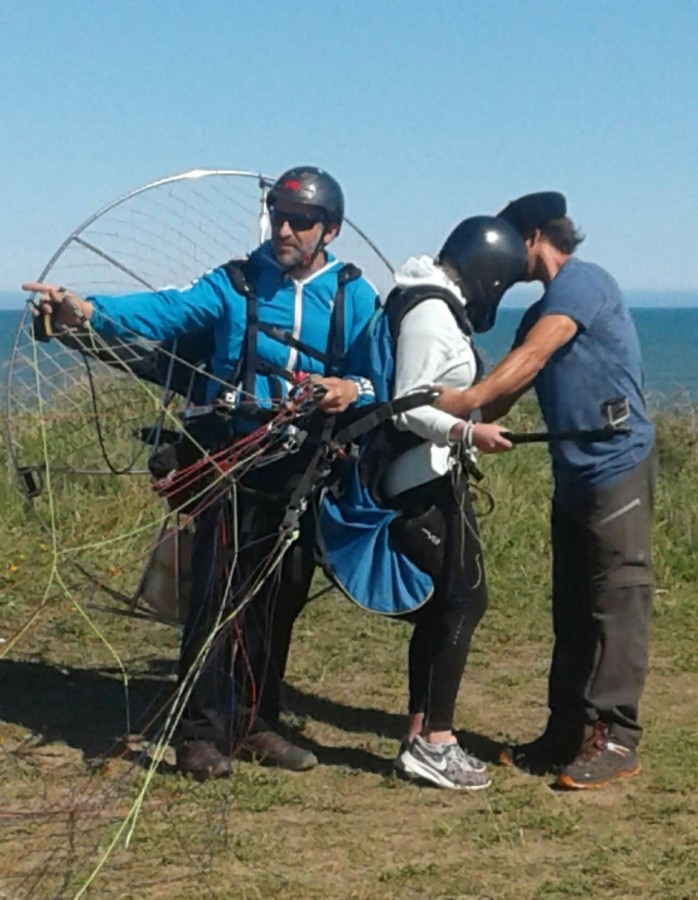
x=288 y=254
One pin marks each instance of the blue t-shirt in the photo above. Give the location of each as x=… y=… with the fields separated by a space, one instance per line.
x=602 y=361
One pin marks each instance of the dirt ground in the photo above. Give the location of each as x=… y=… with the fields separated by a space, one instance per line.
x=348 y=828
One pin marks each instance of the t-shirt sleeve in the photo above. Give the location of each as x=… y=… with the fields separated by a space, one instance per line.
x=528 y=320
x=574 y=295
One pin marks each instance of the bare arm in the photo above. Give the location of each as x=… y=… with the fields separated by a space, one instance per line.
x=500 y=407
x=515 y=372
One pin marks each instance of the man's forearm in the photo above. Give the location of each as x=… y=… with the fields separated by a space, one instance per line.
x=493 y=411
x=508 y=380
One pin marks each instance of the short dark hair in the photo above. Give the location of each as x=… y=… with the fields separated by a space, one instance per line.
x=562 y=233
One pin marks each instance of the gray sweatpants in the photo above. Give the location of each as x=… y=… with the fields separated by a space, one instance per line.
x=602 y=604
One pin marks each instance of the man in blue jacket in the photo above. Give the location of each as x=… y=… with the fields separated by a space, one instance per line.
x=290 y=307
x=577 y=346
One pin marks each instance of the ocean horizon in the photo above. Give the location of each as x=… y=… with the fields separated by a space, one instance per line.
x=667 y=336
x=519 y=297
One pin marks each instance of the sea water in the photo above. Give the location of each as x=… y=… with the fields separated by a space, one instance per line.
x=668 y=338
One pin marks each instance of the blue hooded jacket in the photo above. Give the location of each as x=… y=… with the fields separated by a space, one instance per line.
x=301 y=308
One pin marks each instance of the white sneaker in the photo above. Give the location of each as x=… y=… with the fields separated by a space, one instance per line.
x=445 y=765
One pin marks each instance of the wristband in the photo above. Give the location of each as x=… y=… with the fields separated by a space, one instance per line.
x=467 y=436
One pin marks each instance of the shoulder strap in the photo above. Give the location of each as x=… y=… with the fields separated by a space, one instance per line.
x=400 y=301
x=333 y=357
x=403 y=300
x=238 y=271
x=335 y=343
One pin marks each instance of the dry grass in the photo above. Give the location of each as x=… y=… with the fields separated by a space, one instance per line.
x=347 y=828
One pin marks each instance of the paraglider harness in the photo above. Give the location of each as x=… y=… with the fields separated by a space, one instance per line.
x=387 y=442
x=213 y=426
x=384 y=553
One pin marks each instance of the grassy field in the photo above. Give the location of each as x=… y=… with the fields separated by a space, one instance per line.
x=70 y=773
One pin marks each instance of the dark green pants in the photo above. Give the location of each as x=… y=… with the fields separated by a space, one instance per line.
x=602 y=604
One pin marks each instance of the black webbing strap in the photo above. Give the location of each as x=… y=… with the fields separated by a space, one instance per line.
x=285 y=337
x=248 y=365
x=401 y=300
x=314 y=472
x=265 y=368
x=335 y=341
x=381 y=413
x=237 y=271
x=317 y=468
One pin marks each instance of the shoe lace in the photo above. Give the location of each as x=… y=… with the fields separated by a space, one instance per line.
x=458 y=759
x=596 y=743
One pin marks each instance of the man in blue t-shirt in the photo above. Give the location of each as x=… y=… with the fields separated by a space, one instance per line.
x=577 y=346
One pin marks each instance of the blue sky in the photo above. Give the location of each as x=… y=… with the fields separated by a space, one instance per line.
x=426 y=112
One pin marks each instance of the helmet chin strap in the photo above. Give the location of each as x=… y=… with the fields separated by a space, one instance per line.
x=320 y=246
x=309 y=259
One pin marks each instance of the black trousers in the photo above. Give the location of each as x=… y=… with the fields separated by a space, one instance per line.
x=602 y=605
x=444 y=626
x=236 y=686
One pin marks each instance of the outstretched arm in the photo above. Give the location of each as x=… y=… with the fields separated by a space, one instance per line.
x=155 y=315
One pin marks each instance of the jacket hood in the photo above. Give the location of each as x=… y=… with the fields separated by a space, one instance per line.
x=419 y=270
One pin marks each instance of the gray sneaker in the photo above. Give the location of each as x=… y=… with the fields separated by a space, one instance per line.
x=475 y=763
x=445 y=765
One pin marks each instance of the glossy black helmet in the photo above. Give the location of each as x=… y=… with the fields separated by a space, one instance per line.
x=306 y=189
x=485 y=256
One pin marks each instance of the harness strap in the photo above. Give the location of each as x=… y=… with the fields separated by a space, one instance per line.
x=400 y=301
x=285 y=337
x=380 y=413
x=336 y=351
x=249 y=365
x=237 y=271
x=314 y=472
x=265 y=368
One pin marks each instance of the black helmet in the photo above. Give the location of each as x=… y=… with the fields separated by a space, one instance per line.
x=307 y=189
x=485 y=256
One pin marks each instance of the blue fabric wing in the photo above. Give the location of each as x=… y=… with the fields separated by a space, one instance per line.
x=359 y=557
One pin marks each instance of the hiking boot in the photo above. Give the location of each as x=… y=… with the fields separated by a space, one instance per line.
x=203 y=760
x=445 y=765
x=600 y=761
x=271 y=749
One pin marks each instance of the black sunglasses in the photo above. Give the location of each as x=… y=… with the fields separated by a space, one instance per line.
x=296 y=221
